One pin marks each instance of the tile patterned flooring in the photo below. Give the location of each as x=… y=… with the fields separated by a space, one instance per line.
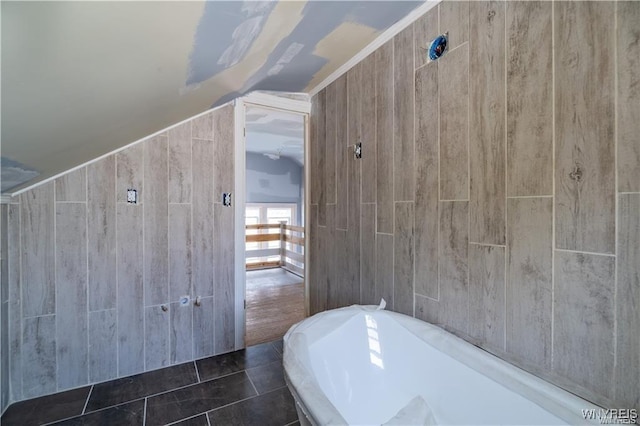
x=245 y=387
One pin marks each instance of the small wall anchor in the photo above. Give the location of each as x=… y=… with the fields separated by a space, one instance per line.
x=226 y=199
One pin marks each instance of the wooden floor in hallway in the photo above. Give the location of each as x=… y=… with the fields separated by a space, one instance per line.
x=275 y=301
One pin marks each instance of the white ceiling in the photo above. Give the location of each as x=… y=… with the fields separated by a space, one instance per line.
x=83 y=78
x=275 y=133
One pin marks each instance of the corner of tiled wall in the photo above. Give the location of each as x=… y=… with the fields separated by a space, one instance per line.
x=498 y=190
x=94 y=282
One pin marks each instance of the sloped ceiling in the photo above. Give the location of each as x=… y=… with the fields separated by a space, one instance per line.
x=275 y=133
x=80 y=78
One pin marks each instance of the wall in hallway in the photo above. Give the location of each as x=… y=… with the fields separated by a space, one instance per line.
x=274 y=181
x=498 y=193
x=95 y=282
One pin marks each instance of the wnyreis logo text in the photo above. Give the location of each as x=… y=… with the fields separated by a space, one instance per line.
x=621 y=416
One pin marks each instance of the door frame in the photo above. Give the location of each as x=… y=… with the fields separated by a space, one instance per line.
x=262 y=100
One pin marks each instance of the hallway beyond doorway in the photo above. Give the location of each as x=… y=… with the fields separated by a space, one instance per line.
x=275 y=301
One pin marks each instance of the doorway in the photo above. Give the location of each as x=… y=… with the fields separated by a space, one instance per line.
x=271 y=252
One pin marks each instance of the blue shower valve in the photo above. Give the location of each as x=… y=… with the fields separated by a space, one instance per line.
x=438 y=47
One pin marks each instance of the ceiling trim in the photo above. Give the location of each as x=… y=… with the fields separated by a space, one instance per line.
x=115 y=151
x=277 y=102
x=387 y=35
x=5 y=199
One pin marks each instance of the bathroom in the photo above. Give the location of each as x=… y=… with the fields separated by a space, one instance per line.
x=497 y=196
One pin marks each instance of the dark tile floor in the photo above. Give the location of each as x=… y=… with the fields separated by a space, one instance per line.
x=240 y=388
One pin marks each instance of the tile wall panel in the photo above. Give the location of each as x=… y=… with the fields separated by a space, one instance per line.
x=156 y=242
x=426 y=175
x=583 y=319
x=487 y=122
x=101 y=233
x=109 y=265
x=584 y=127
x=487 y=291
x=628 y=301
x=71 y=294
x=403 y=115
x=38 y=252
x=529 y=114
x=179 y=161
x=529 y=278
x=130 y=303
x=628 y=104
x=72 y=186
x=453 y=86
x=103 y=345
x=384 y=137
x=523 y=98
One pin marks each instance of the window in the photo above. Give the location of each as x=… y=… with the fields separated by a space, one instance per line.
x=267 y=214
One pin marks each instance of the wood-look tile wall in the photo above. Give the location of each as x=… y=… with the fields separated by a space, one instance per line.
x=498 y=194
x=93 y=283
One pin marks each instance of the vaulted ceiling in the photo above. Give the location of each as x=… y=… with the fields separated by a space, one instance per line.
x=82 y=78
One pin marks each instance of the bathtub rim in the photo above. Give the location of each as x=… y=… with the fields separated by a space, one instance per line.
x=319 y=409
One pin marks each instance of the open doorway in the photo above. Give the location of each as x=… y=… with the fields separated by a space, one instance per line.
x=274 y=221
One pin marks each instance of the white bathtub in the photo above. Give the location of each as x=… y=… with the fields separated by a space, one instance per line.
x=362 y=366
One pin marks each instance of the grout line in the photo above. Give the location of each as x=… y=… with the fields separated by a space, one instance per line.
x=189 y=418
x=393 y=170
x=78 y=416
x=168 y=390
x=21 y=308
x=553 y=180
x=251 y=381
x=506 y=172
x=585 y=252
x=167 y=295
x=144 y=416
x=486 y=245
x=438 y=208
x=454 y=200
x=413 y=171
x=234 y=402
x=115 y=205
x=208 y=420
x=142 y=242
x=87 y=280
x=84 y=409
x=55 y=270
x=201 y=139
x=191 y=252
x=616 y=198
x=39 y=316
x=427 y=297
x=528 y=196
x=197 y=372
x=71 y=202
x=468 y=175
x=628 y=193
x=384 y=233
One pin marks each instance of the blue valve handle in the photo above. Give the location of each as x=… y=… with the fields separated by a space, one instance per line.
x=438 y=47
